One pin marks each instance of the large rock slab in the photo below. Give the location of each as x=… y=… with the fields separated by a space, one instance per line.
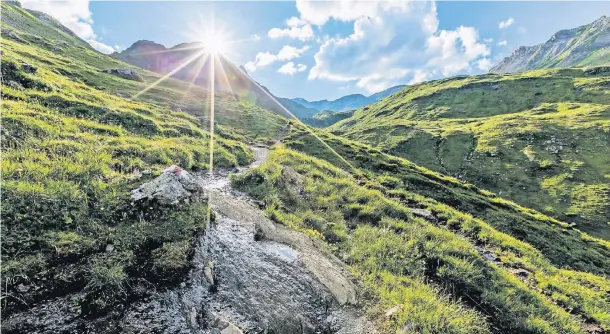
x=175 y=185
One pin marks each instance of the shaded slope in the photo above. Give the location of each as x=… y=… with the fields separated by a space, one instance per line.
x=587 y=45
x=73 y=145
x=539 y=138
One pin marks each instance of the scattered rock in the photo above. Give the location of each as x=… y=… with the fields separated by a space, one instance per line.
x=109 y=248
x=408 y=328
x=592 y=328
x=520 y=272
x=10 y=34
x=391 y=311
x=15 y=85
x=231 y=329
x=423 y=213
x=125 y=73
x=597 y=70
x=208 y=272
x=28 y=67
x=487 y=254
x=495 y=87
x=173 y=186
x=293 y=179
x=123 y=94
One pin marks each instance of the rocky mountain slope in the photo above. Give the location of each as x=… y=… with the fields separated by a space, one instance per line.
x=588 y=45
x=349 y=102
x=110 y=224
x=539 y=138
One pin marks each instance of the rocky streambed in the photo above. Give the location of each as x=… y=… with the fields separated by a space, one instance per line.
x=253 y=276
x=249 y=275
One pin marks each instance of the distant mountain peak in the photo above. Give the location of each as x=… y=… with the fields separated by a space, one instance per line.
x=348 y=102
x=586 y=45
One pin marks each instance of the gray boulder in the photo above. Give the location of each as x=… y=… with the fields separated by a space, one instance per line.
x=175 y=185
x=125 y=73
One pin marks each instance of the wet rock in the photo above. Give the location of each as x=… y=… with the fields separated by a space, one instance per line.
x=172 y=187
x=28 y=67
x=231 y=329
x=125 y=73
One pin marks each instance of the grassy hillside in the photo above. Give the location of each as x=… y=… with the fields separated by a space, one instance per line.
x=74 y=144
x=448 y=274
x=539 y=138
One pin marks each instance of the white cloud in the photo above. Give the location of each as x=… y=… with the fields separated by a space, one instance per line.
x=295 y=22
x=290 y=52
x=256 y=37
x=101 y=47
x=488 y=40
x=301 y=33
x=393 y=42
x=484 y=64
x=502 y=42
x=521 y=30
x=505 y=24
x=290 y=69
x=75 y=15
x=263 y=59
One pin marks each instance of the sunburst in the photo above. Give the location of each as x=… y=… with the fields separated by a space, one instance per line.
x=215 y=43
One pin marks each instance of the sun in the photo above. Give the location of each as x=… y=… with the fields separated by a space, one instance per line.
x=215 y=43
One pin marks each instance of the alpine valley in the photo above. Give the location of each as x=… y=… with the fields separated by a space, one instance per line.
x=137 y=200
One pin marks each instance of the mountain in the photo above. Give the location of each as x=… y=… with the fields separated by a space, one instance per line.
x=587 y=45
x=228 y=78
x=112 y=224
x=538 y=138
x=349 y=102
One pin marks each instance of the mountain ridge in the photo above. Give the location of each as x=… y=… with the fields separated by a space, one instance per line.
x=586 y=45
x=348 y=102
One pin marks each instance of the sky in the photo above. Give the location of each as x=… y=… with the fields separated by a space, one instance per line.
x=327 y=49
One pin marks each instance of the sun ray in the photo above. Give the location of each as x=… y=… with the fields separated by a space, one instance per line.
x=224 y=76
x=198 y=67
x=307 y=128
x=165 y=77
x=185 y=48
x=211 y=145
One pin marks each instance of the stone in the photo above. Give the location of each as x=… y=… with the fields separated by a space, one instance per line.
x=15 y=85
x=10 y=34
x=391 y=311
x=109 y=248
x=423 y=213
x=123 y=94
x=28 y=67
x=293 y=179
x=231 y=329
x=597 y=70
x=520 y=272
x=125 y=73
x=172 y=187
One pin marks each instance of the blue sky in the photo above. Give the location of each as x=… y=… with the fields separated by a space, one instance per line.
x=310 y=49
